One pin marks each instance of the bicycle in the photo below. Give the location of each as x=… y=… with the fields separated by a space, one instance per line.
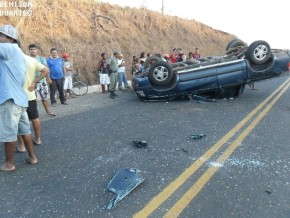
x=80 y=88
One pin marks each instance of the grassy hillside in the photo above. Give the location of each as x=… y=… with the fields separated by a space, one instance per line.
x=86 y=28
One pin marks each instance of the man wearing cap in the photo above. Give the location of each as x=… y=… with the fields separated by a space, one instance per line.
x=13 y=99
x=113 y=66
x=68 y=84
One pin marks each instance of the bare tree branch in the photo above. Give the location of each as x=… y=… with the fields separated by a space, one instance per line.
x=96 y=17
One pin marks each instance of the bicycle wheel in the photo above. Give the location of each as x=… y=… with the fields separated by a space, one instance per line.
x=80 y=88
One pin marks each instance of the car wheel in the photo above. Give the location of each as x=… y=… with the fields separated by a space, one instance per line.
x=160 y=73
x=151 y=60
x=259 y=52
x=234 y=45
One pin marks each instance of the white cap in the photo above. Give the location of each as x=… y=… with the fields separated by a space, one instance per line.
x=9 y=31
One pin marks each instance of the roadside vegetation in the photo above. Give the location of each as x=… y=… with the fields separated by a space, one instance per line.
x=86 y=28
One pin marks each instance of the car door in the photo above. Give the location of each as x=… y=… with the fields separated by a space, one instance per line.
x=232 y=73
x=197 y=80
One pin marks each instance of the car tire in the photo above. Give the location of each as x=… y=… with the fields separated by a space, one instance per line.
x=235 y=47
x=160 y=73
x=259 y=52
x=235 y=43
x=151 y=60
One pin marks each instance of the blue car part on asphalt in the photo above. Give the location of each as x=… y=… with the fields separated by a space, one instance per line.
x=122 y=184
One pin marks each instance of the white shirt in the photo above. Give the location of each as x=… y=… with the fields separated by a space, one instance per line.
x=121 y=69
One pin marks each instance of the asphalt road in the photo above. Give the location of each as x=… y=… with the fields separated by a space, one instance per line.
x=241 y=168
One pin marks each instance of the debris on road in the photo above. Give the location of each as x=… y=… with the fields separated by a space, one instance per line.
x=139 y=144
x=199 y=99
x=181 y=149
x=184 y=150
x=268 y=191
x=122 y=184
x=197 y=136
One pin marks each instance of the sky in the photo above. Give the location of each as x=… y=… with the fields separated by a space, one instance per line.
x=249 y=20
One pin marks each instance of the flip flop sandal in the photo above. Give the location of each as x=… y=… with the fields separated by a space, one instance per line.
x=19 y=151
x=36 y=143
x=29 y=162
x=4 y=170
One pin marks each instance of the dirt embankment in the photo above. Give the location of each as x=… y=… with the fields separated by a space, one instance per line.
x=86 y=28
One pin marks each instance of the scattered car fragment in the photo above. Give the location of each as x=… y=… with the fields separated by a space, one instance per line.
x=139 y=144
x=223 y=76
x=122 y=184
x=199 y=99
x=197 y=136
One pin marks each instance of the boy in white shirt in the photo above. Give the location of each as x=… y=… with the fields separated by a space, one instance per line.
x=121 y=73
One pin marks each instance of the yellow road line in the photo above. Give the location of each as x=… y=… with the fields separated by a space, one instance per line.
x=174 y=185
x=195 y=189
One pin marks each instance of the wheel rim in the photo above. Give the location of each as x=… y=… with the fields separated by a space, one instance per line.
x=160 y=73
x=260 y=52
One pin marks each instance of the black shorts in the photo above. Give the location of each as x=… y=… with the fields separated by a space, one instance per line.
x=32 y=111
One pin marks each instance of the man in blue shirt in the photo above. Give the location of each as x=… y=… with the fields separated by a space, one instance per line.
x=13 y=99
x=57 y=73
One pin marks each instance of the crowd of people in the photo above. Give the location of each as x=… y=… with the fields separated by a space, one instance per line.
x=112 y=71
x=23 y=78
x=177 y=55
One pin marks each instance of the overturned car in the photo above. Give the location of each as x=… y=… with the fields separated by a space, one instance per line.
x=219 y=76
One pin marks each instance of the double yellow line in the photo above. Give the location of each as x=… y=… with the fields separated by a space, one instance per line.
x=180 y=205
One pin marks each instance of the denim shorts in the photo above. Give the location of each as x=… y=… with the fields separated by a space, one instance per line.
x=13 y=121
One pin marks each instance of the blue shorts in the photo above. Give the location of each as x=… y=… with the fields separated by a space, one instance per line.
x=13 y=121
